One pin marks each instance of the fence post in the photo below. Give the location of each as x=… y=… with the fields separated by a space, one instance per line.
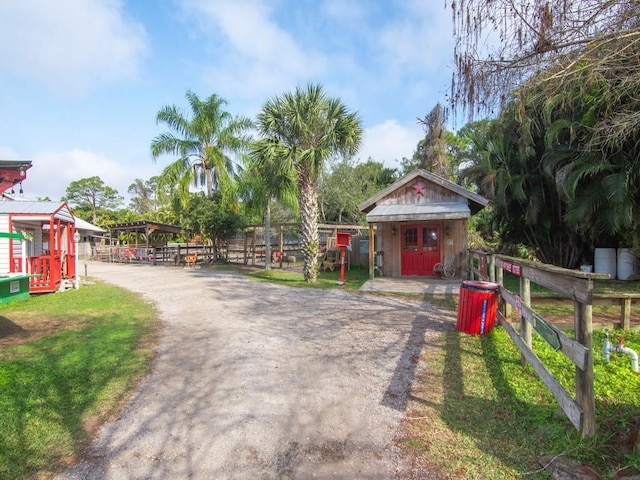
x=372 y=253
x=246 y=254
x=492 y=268
x=470 y=263
x=525 y=327
x=500 y=281
x=281 y=244
x=584 y=378
x=253 y=246
x=625 y=313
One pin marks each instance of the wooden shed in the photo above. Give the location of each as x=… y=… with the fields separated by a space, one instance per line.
x=419 y=221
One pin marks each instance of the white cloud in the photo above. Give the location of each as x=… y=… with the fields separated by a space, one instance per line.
x=345 y=12
x=418 y=39
x=69 y=45
x=52 y=172
x=254 y=56
x=390 y=141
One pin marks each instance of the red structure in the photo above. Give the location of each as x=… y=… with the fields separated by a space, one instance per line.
x=343 y=240
x=477 y=307
x=12 y=172
x=49 y=228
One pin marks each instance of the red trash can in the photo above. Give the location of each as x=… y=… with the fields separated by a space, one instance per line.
x=477 y=307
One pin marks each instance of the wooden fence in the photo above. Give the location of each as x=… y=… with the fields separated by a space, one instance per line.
x=570 y=284
x=251 y=247
x=481 y=266
x=174 y=253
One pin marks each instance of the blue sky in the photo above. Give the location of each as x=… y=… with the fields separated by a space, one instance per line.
x=81 y=81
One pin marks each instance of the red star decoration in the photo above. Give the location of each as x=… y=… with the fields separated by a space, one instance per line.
x=419 y=188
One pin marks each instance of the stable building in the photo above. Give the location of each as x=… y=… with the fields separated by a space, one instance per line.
x=418 y=223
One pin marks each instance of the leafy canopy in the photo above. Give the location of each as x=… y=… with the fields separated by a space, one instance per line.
x=90 y=197
x=202 y=142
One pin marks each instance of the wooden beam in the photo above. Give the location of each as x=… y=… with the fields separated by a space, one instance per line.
x=579 y=289
x=525 y=326
x=492 y=268
x=625 y=313
x=573 y=284
x=371 y=252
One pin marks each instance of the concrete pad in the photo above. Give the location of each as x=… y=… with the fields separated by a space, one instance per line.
x=413 y=285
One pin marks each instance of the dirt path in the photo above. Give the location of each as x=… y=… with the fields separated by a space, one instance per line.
x=258 y=381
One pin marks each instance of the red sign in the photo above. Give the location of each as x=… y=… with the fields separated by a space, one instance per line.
x=510 y=267
x=483 y=265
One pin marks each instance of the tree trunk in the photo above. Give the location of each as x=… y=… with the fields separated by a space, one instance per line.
x=310 y=245
x=94 y=209
x=208 y=175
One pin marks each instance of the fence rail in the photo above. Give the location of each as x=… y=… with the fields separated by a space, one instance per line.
x=481 y=266
x=574 y=285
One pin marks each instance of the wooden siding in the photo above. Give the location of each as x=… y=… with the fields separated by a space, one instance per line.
x=432 y=194
x=476 y=202
x=4 y=244
x=453 y=240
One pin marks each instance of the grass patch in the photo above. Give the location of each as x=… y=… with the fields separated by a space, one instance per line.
x=477 y=413
x=354 y=278
x=68 y=362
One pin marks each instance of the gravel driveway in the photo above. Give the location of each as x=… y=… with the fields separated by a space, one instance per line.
x=260 y=381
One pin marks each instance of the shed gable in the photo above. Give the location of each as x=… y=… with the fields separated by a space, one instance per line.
x=422 y=195
x=420 y=192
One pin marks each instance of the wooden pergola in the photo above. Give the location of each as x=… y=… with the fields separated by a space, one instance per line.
x=145 y=228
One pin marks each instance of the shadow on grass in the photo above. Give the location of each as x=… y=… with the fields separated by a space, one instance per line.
x=480 y=406
x=8 y=328
x=398 y=392
x=52 y=387
x=491 y=412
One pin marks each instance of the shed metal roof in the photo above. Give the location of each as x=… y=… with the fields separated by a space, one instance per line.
x=430 y=211
x=89 y=227
x=60 y=210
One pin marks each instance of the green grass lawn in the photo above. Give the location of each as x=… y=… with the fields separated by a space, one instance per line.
x=355 y=277
x=67 y=363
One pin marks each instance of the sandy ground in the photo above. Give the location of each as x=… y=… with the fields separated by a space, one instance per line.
x=259 y=381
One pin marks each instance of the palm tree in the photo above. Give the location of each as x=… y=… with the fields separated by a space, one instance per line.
x=201 y=144
x=263 y=181
x=302 y=129
x=434 y=155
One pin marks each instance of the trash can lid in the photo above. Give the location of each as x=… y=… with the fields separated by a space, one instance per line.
x=480 y=285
